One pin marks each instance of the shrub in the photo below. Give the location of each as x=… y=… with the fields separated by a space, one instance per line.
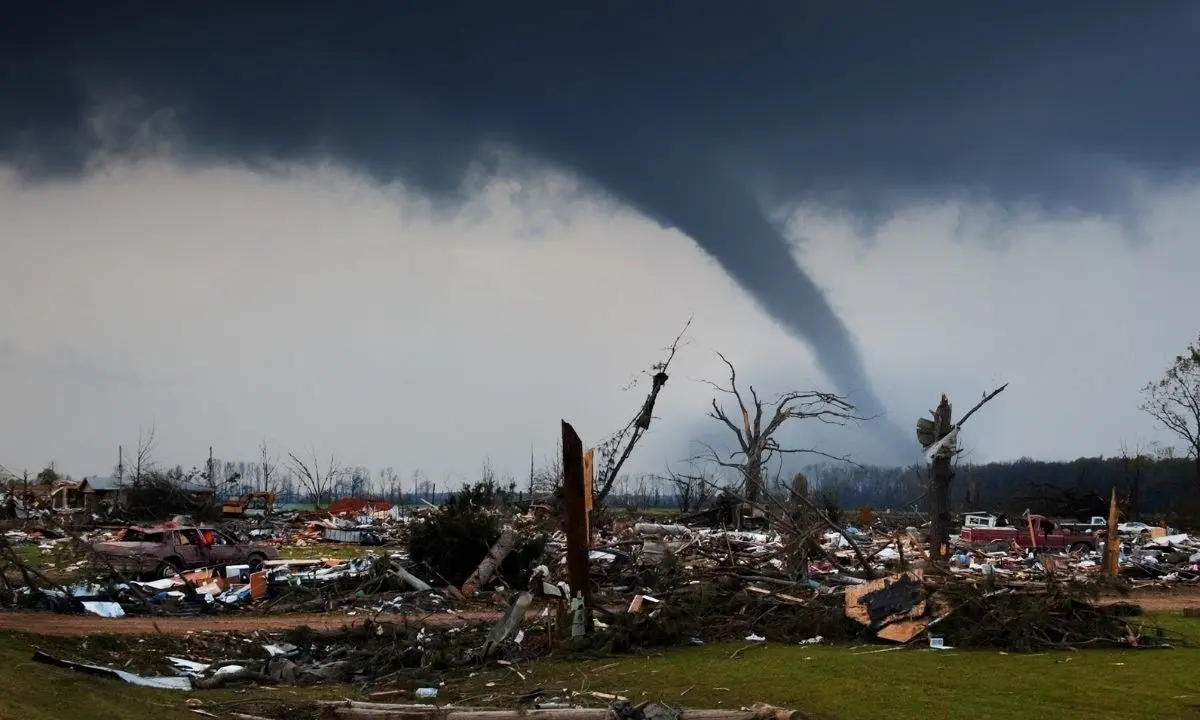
x=450 y=544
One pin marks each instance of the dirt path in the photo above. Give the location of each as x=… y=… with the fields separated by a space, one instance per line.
x=1160 y=601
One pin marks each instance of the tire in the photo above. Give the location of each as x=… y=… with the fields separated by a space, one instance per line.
x=168 y=568
x=255 y=561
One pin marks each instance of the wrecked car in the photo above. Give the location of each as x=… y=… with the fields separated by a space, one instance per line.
x=166 y=550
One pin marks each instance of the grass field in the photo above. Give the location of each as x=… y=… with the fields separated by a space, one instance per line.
x=33 y=691
x=831 y=683
x=338 y=551
x=844 y=683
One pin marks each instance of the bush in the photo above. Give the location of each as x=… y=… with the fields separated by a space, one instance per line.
x=451 y=543
x=156 y=497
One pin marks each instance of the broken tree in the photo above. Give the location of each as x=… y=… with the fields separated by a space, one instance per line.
x=576 y=520
x=491 y=562
x=616 y=450
x=939 y=438
x=761 y=420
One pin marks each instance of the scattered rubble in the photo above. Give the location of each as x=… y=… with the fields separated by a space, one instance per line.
x=653 y=584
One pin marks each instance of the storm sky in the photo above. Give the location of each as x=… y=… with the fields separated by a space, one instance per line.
x=417 y=235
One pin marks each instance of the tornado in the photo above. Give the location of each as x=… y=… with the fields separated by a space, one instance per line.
x=702 y=199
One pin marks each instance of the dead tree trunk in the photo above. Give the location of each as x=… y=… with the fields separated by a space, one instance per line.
x=939 y=493
x=799 y=543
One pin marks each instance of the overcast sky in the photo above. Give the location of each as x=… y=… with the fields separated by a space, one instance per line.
x=429 y=298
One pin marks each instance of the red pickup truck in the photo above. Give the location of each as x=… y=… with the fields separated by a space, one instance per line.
x=1034 y=531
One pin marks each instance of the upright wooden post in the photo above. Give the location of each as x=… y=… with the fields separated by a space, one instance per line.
x=576 y=526
x=942 y=472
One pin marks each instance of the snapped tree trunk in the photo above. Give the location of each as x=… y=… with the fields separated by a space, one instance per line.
x=942 y=472
x=576 y=520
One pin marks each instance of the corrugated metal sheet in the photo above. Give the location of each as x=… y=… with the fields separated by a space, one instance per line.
x=346 y=536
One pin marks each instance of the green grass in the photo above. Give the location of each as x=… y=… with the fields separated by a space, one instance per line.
x=30 y=555
x=848 y=684
x=317 y=551
x=33 y=691
x=52 y=563
x=839 y=682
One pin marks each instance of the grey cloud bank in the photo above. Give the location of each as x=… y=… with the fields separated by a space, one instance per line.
x=309 y=306
x=684 y=111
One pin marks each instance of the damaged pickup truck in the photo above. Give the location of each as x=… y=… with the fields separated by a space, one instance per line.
x=166 y=550
x=1032 y=531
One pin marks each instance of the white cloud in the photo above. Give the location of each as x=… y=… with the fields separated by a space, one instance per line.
x=312 y=306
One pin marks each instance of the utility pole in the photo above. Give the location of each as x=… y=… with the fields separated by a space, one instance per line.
x=531 y=473
x=120 y=466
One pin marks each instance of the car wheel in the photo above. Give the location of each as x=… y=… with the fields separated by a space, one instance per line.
x=256 y=562
x=168 y=569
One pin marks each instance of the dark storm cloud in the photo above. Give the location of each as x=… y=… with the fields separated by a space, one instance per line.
x=680 y=109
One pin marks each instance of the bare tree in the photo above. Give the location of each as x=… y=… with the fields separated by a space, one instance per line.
x=142 y=463
x=357 y=482
x=390 y=484
x=691 y=489
x=760 y=420
x=613 y=452
x=1174 y=401
x=1136 y=466
x=422 y=486
x=316 y=481
x=545 y=481
x=267 y=469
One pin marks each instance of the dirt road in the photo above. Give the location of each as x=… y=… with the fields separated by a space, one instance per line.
x=43 y=623
x=1162 y=601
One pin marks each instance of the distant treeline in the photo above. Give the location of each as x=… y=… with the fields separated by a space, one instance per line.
x=1144 y=485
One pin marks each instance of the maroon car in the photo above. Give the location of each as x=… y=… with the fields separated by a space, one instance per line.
x=166 y=550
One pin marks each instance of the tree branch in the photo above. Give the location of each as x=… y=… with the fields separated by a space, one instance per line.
x=617 y=449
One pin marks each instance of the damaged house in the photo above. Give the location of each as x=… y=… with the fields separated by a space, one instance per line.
x=66 y=496
x=95 y=492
